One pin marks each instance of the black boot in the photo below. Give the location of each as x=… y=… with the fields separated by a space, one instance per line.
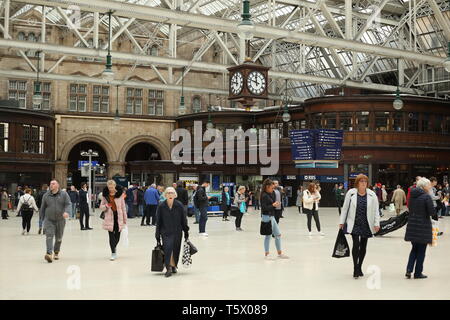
x=360 y=273
x=168 y=272
x=355 y=273
x=174 y=269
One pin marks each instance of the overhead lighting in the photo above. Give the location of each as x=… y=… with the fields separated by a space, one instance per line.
x=117 y=116
x=37 y=95
x=287 y=100
x=447 y=61
x=209 y=124
x=398 y=103
x=108 y=74
x=246 y=26
x=182 y=107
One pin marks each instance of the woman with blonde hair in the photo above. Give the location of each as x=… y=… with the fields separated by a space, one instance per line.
x=311 y=198
x=361 y=218
x=240 y=201
x=115 y=214
x=171 y=220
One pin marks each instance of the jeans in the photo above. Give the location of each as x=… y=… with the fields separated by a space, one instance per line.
x=238 y=220
x=197 y=214
x=203 y=219
x=74 y=210
x=275 y=232
x=314 y=214
x=417 y=257
x=141 y=210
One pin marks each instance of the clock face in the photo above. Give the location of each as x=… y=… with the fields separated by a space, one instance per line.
x=256 y=82
x=237 y=83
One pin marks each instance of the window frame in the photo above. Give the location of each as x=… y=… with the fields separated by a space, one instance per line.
x=5 y=136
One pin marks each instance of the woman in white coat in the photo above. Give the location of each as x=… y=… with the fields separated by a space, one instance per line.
x=361 y=218
x=311 y=198
x=27 y=206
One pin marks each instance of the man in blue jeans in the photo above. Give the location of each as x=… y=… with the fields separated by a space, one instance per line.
x=201 y=202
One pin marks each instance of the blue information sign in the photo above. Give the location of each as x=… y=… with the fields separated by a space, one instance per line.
x=82 y=162
x=318 y=144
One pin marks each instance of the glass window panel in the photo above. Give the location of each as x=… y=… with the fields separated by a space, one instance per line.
x=73 y=103
x=96 y=89
x=398 y=121
x=413 y=122
x=426 y=122
x=381 y=121
x=12 y=85
x=82 y=88
x=22 y=85
x=4 y=132
x=82 y=103
x=151 y=93
x=73 y=88
x=159 y=94
x=138 y=106
x=159 y=108
x=129 y=92
x=138 y=92
x=330 y=120
x=151 y=107
x=105 y=91
x=129 y=106
x=96 y=104
x=362 y=121
x=346 y=121
x=105 y=105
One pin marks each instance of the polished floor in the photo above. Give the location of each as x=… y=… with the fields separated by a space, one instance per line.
x=229 y=264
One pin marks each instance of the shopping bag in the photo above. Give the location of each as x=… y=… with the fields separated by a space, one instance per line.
x=10 y=205
x=391 y=207
x=435 y=230
x=187 y=260
x=192 y=249
x=234 y=211
x=242 y=207
x=341 y=248
x=158 y=259
x=124 y=237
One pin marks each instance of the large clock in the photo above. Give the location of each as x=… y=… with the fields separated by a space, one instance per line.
x=237 y=83
x=256 y=82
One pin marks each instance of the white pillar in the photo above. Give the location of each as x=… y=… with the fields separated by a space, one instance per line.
x=348 y=20
x=6 y=31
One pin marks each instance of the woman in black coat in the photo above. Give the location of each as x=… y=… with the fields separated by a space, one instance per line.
x=419 y=228
x=170 y=221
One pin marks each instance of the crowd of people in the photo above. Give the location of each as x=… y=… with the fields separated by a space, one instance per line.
x=359 y=209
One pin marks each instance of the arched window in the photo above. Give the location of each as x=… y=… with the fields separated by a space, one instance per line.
x=21 y=36
x=196 y=104
x=32 y=38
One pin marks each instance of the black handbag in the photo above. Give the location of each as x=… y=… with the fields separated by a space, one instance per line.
x=266 y=228
x=234 y=211
x=158 y=259
x=341 y=247
x=192 y=249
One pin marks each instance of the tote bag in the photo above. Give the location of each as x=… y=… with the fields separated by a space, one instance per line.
x=158 y=259
x=341 y=247
x=187 y=259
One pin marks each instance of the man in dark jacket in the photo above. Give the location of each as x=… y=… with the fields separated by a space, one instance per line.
x=74 y=199
x=201 y=201
x=54 y=211
x=419 y=228
x=130 y=200
x=339 y=195
x=84 y=207
x=182 y=195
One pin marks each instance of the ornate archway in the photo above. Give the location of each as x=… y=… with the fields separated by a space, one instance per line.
x=106 y=145
x=162 y=149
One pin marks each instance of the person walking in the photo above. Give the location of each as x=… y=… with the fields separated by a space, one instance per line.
x=196 y=211
x=257 y=198
x=19 y=193
x=182 y=195
x=171 y=221
x=84 y=207
x=141 y=202
x=74 y=199
x=130 y=201
x=384 y=196
x=399 y=199
x=240 y=201
x=201 y=200
x=268 y=205
x=278 y=199
x=339 y=195
x=311 y=198
x=42 y=192
x=299 y=201
x=360 y=218
x=27 y=206
x=55 y=209
x=419 y=228
x=115 y=209
x=151 y=199
x=4 y=199
x=226 y=203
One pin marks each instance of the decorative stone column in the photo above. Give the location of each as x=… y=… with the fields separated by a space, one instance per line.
x=116 y=168
x=61 y=169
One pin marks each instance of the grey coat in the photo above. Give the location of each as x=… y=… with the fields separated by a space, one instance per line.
x=54 y=205
x=4 y=201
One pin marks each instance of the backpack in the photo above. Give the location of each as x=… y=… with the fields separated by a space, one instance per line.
x=26 y=206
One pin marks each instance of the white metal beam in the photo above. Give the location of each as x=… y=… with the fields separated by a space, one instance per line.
x=6 y=21
x=372 y=18
x=174 y=62
x=224 y=47
x=327 y=14
x=348 y=20
x=443 y=22
x=227 y=25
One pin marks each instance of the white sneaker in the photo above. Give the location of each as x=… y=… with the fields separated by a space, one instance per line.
x=321 y=233
x=113 y=257
x=269 y=258
x=204 y=234
x=310 y=233
x=282 y=256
